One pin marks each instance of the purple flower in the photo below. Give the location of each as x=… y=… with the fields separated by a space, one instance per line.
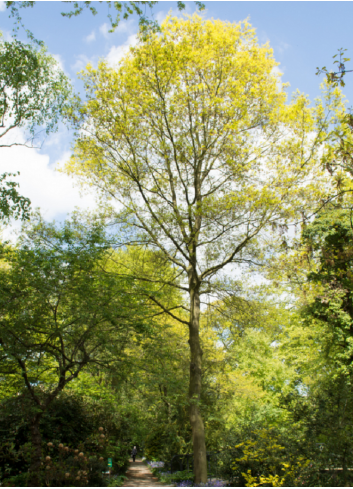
x=155 y=465
x=210 y=483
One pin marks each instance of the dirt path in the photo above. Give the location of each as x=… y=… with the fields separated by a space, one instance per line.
x=139 y=475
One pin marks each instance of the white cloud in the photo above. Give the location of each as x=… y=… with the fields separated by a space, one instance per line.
x=128 y=26
x=116 y=53
x=48 y=189
x=59 y=59
x=2 y=6
x=281 y=47
x=263 y=37
x=82 y=61
x=6 y=35
x=161 y=16
x=104 y=29
x=56 y=139
x=91 y=37
x=279 y=73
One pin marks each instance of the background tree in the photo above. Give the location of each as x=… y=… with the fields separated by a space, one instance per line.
x=329 y=238
x=192 y=136
x=336 y=77
x=313 y=274
x=33 y=92
x=12 y=204
x=58 y=312
x=33 y=96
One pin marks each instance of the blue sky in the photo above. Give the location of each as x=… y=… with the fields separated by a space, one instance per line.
x=303 y=35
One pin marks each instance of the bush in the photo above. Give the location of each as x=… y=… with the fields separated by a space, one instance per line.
x=166 y=440
x=19 y=480
x=265 y=460
x=72 y=422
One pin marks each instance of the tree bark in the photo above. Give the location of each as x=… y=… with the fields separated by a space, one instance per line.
x=36 y=458
x=197 y=426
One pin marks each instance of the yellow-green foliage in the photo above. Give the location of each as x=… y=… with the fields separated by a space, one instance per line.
x=202 y=90
x=265 y=453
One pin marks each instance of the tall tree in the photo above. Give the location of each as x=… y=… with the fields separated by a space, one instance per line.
x=192 y=136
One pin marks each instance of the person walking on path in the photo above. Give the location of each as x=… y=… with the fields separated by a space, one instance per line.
x=134 y=453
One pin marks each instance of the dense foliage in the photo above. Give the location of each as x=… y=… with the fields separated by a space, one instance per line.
x=195 y=108
x=123 y=329
x=71 y=425
x=34 y=92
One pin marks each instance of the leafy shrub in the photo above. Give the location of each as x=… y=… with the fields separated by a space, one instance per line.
x=263 y=460
x=72 y=422
x=116 y=480
x=164 y=441
x=19 y=480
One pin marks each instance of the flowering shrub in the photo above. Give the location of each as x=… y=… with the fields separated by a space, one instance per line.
x=84 y=465
x=81 y=466
x=72 y=420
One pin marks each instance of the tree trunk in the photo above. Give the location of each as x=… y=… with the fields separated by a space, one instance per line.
x=197 y=426
x=36 y=458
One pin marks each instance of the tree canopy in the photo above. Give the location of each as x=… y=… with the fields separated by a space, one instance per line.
x=192 y=135
x=59 y=310
x=207 y=305
x=34 y=92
